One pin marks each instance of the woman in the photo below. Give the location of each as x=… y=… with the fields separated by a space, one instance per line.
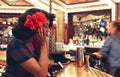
x=111 y=46
x=27 y=54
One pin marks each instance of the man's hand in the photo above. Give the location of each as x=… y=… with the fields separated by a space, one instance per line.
x=98 y=55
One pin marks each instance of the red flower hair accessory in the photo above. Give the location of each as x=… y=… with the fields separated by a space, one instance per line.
x=35 y=21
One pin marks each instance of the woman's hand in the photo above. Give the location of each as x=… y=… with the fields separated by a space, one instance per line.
x=40 y=36
x=51 y=63
x=54 y=72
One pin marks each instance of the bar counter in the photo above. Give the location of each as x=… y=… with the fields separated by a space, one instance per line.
x=71 y=70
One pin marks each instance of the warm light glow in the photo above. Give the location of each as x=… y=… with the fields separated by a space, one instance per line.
x=44 y=4
x=13 y=0
x=116 y=1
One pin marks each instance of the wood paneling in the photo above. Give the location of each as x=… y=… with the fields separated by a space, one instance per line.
x=17 y=3
x=3 y=57
x=69 y=2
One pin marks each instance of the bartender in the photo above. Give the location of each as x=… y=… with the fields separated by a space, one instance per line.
x=110 y=48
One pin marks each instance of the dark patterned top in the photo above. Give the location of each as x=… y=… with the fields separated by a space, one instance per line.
x=19 y=51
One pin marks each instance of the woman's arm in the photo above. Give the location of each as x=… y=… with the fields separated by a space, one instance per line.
x=39 y=69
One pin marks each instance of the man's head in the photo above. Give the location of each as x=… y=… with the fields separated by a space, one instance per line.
x=113 y=27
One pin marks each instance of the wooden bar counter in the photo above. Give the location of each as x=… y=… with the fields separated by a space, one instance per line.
x=71 y=70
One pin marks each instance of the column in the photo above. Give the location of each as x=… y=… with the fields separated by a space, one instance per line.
x=59 y=26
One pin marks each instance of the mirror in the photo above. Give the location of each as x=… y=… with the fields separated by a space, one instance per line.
x=90 y=27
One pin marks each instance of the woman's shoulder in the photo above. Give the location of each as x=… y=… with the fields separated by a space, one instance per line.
x=17 y=41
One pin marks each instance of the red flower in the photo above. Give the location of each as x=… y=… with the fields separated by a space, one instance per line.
x=35 y=21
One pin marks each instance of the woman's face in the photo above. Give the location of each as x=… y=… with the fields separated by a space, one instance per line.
x=47 y=28
x=111 y=29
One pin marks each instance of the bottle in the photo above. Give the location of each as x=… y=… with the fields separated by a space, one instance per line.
x=87 y=62
x=79 y=57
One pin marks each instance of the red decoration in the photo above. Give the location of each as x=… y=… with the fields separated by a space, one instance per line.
x=35 y=21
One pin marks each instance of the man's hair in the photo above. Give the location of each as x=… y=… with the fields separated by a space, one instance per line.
x=116 y=24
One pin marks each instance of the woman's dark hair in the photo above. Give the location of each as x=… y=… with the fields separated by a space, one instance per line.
x=50 y=17
x=25 y=33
